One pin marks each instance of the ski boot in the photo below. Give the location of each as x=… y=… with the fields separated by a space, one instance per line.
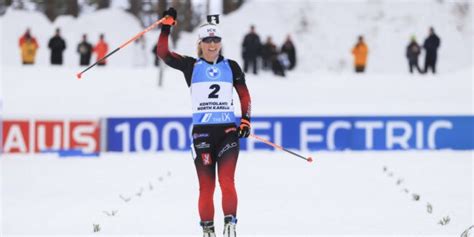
x=229 y=226
x=208 y=229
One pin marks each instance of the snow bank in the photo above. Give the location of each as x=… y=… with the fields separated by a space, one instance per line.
x=324 y=32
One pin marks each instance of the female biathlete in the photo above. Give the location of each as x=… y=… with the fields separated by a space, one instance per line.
x=212 y=79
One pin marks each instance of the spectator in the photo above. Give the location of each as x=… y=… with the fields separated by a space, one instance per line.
x=413 y=51
x=288 y=48
x=278 y=64
x=268 y=50
x=271 y=59
x=85 y=51
x=101 y=49
x=360 y=52
x=139 y=54
x=57 y=45
x=431 y=46
x=155 y=55
x=28 y=46
x=251 y=49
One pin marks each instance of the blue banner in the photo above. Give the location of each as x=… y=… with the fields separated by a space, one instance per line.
x=304 y=133
x=148 y=134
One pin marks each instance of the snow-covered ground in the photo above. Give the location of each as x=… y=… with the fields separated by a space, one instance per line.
x=134 y=92
x=341 y=193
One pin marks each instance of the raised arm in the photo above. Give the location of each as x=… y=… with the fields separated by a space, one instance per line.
x=174 y=60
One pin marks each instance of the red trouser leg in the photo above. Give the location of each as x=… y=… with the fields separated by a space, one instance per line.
x=226 y=168
x=207 y=184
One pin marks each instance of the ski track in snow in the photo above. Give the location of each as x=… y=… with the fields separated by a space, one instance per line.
x=346 y=193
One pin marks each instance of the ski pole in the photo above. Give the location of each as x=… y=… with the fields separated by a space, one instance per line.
x=309 y=159
x=79 y=75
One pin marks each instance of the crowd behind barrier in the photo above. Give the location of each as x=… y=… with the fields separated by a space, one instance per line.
x=255 y=54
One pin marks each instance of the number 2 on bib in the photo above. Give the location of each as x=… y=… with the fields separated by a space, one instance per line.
x=215 y=89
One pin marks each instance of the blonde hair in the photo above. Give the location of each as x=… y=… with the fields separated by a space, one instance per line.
x=199 y=50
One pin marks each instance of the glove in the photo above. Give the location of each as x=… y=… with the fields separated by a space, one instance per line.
x=170 y=16
x=244 y=129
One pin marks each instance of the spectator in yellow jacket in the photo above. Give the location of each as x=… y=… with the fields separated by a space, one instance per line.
x=360 y=52
x=28 y=47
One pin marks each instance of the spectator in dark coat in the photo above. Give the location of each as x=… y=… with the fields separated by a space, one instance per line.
x=278 y=66
x=413 y=51
x=431 y=46
x=251 y=49
x=57 y=46
x=288 y=48
x=155 y=55
x=85 y=51
x=268 y=51
x=271 y=58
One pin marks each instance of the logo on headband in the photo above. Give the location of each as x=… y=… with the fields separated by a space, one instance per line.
x=211 y=32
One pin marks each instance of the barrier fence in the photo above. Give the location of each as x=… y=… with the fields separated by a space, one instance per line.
x=150 y=134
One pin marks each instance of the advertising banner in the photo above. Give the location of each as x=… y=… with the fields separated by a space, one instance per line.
x=304 y=133
x=34 y=136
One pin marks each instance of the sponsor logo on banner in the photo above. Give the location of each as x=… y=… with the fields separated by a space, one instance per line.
x=364 y=133
x=206 y=159
x=148 y=134
x=303 y=133
x=24 y=136
x=16 y=136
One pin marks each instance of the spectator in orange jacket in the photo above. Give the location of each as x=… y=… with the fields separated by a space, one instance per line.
x=28 y=46
x=360 y=52
x=101 y=49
